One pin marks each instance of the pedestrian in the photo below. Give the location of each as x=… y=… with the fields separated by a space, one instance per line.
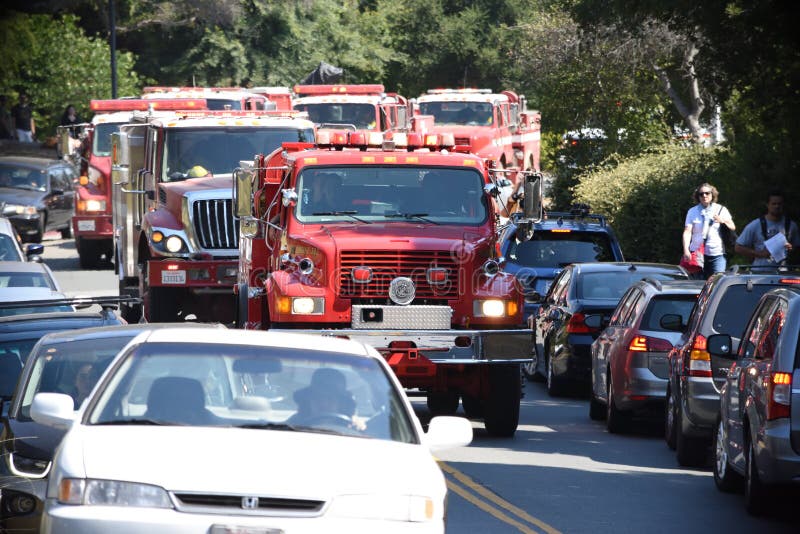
x=751 y=243
x=701 y=228
x=22 y=115
x=70 y=118
x=6 y=124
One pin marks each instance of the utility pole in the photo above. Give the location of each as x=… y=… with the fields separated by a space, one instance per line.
x=113 y=37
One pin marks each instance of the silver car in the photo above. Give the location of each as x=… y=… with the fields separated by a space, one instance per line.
x=757 y=435
x=629 y=358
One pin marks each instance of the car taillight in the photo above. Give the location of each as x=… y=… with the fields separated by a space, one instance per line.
x=699 y=358
x=577 y=325
x=779 y=395
x=649 y=344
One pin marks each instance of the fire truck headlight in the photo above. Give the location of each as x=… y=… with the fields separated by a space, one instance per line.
x=308 y=305
x=490 y=308
x=95 y=205
x=174 y=244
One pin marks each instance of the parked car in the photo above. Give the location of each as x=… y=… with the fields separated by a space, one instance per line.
x=558 y=240
x=19 y=332
x=757 y=432
x=695 y=375
x=561 y=336
x=629 y=359
x=267 y=406
x=10 y=249
x=27 y=274
x=64 y=362
x=38 y=195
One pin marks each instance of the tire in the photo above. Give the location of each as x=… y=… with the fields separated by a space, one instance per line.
x=37 y=237
x=756 y=494
x=442 y=403
x=726 y=479
x=501 y=416
x=597 y=412
x=66 y=233
x=554 y=386
x=617 y=421
x=88 y=254
x=132 y=314
x=670 y=417
x=530 y=369
x=473 y=406
x=691 y=452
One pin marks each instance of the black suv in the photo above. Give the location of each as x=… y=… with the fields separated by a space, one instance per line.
x=559 y=239
x=695 y=375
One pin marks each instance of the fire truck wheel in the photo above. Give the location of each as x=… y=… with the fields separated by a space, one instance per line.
x=131 y=313
x=241 y=306
x=162 y=305
x=88 y=255
x=66 y=233
x=442 y=403
x=502 y=406
x=473 y=406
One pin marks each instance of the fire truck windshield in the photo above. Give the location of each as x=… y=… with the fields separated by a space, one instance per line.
x=359 y=116
x=460 y=113
x=101 y=143
x=219 y=150
x=223 y=103
x=439 y=195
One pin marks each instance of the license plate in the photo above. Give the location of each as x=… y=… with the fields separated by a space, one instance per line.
x=173 y=277
x=230 y=529
x=86 y=226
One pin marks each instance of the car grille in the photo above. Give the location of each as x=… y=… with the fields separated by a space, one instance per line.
x=226 y=503
x=214 y=225
x=389 y=264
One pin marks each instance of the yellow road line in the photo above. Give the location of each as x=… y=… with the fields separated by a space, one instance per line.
x=496 y=499
x=486 y=507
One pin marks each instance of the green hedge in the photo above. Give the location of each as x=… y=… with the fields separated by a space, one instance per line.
x=646 y=198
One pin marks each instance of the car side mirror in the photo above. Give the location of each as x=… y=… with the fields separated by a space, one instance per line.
x=672 y=321
x=53 y=409
x=34 y=251
x=720 y=345
x=446 y=432
x=532 y=205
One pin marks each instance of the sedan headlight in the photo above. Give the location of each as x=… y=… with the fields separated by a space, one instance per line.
x=92 y=492
x=17 y=209
x=415 y=508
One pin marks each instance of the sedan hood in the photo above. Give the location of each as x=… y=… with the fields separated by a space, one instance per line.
x=254 y=461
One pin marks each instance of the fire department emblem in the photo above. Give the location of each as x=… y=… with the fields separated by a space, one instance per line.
x=402 y=290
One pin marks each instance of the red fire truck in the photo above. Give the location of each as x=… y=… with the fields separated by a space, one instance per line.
x=217 y=98
x=177 y=244
x=91 y=221
x=391 y=242
x=357 y=107
x=496 y=126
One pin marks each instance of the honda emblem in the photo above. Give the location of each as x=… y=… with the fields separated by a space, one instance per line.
x=249 y=503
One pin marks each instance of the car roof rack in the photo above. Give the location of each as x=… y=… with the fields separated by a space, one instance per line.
x=755 y=269
x=107 y=303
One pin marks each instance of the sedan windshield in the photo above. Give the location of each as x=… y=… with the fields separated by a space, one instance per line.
x=19 y=177
x=283 y=389
x=435 y=195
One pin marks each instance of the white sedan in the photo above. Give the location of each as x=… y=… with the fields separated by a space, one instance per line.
x=249 y=433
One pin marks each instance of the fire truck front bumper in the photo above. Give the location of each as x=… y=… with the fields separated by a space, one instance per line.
x=208 y=275
x=92 y=226
x=444 y=346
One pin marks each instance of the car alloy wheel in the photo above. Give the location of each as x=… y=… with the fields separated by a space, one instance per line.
x=725 y=477
x=670 y=416
x=755 y=494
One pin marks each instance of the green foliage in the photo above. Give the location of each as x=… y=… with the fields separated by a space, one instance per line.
x=57 y=64
x=646 y=197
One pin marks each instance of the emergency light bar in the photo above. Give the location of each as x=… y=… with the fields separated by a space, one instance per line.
x=230 y=113
x=368 y=139
x=166 y=89
x=138 y=104
x=361 y=89
x=461 y=91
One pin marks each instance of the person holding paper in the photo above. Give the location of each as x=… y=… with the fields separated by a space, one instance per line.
x=770 y=231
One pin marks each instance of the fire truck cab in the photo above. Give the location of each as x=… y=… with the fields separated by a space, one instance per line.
x=176 y=241
x=496 y=126
x=392 y=242
x=91 y=221
x=217 y=98
x=355 y=107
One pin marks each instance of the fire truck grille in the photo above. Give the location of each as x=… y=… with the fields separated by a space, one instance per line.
x=462 y=141
x=214 y=225
x=387 y=265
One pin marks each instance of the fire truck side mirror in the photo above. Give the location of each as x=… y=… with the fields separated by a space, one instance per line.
x=289 y=197
x=119 y=159
x=243 y=190
x=64 y=146
x=532 y=205
x=149 y=184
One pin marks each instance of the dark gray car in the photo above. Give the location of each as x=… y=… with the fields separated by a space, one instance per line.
x=695 y=375
x=758 y=427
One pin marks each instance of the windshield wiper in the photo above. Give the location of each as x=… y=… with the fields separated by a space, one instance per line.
x=420 y=216
x=351 y=214
x=268 y=426
x=139 y=421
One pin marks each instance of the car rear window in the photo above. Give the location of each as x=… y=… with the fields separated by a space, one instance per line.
x=613 y=284
x=735 y=307
x=662 y=305
x=557 y=249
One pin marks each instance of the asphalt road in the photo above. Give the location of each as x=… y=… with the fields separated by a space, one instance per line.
x=562 y=472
